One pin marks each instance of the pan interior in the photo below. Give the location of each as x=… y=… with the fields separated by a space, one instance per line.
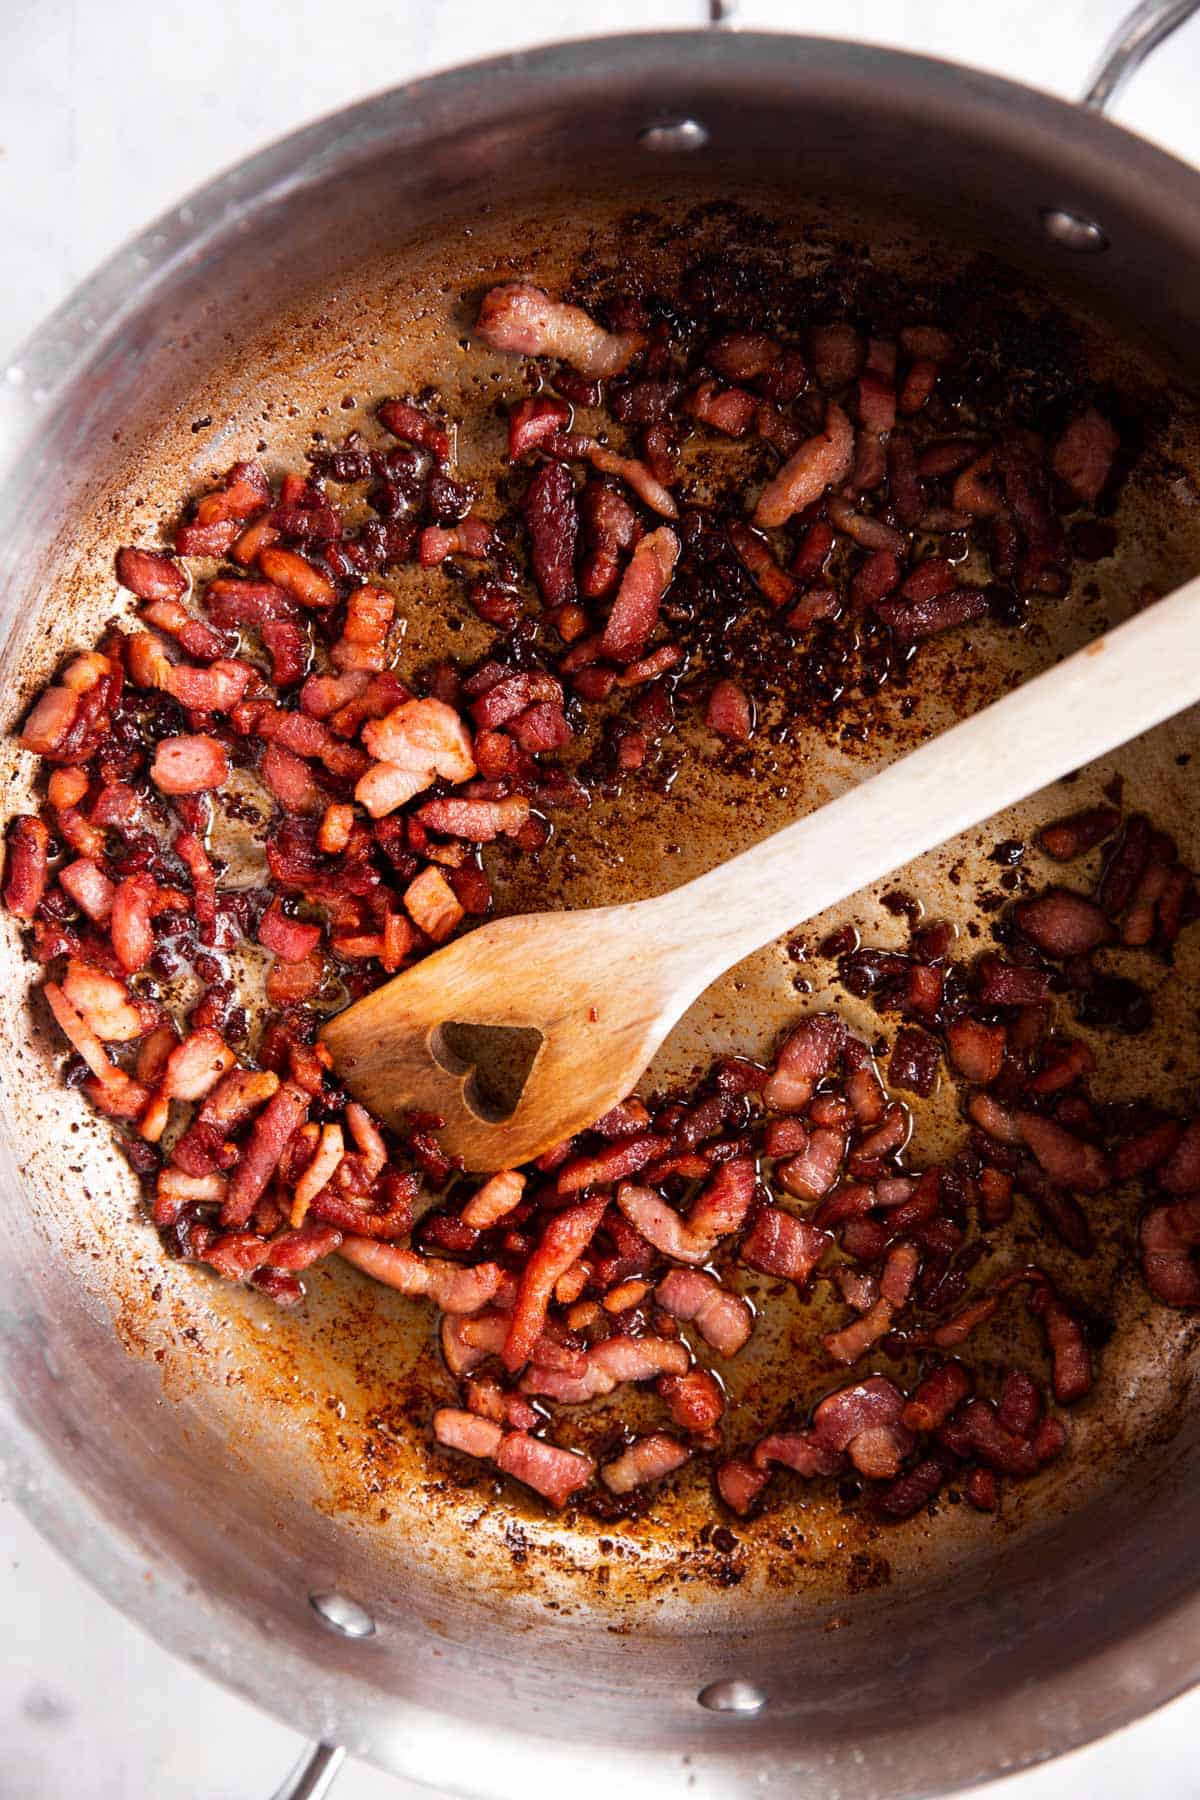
x=276 y=1455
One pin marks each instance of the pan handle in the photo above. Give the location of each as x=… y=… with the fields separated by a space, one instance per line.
x=314 y=1776
x=1146 y=27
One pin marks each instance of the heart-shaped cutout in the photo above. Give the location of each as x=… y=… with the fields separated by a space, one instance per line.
x=495 y=1061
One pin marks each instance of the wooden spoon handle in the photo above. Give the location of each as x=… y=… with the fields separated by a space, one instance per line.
x=1116 y=687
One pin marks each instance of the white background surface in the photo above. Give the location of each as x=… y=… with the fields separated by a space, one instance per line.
x=110 y=110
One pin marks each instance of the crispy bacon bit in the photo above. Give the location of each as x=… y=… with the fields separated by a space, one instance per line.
x=497 y=1197
x=866 y=1422
x=450 y=1286
x=565 y=1238
x=363 y=643
x=635 y=610
x=821 y=462
x=532 y=421
x=723 y=1320
x=433 y=905
x=730 y=712
x=551 y=516
x=936 y=1396
x=729 y=410
x=778 y=1244
x=467 y=1432
x=1169 y=1236
x=426 y=737
x=1074 y=836
x=150 y=574
x=754 y=553
x=27 y=873
x=855 y=1339
x=740 y=1484
x=976 y=1050
x=694 y=1401
x=804 y=1058
x=1180 y=1174
x=814 y=1171
x=800 y=1451
x=917 y=619
x=1062 y=923
x=1067 y=1160
x=189 y=765
x=518 y=317
x=647 y=1459
x=1083 y=455
x=635 y=474
x=555 y=1474
x=917 y=1487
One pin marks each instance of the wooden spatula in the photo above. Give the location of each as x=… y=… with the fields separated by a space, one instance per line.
x=592 y=995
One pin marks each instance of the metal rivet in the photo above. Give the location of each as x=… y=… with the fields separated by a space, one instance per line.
x=673 y=135
x=1072 y=230
x=341 y=1615
x=741 y=1698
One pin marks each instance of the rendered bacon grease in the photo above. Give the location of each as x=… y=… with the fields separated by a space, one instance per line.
x=264 y=682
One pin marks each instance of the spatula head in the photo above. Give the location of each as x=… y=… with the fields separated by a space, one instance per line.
x=517 y=1035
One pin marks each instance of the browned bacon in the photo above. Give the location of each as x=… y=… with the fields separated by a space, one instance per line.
x=518 y=317
x=647 y=1459
x=635 y=610
x=1083 y=455
x=723 y=1320
x=821 y=462
x=778 y=1244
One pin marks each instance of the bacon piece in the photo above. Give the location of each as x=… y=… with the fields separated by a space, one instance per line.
x=291 y=939
x=813 y=1172
x=723 y=1320
x=694 y=1401
x=855 y=1339
x=723 y=1202
x=89 y=887
x=1006 y=984
x=740 y=1484
x=821 y=462
x=551 y=515
x=838 y=354
x=426 y=737
x=1067 y=1160
x=635 y=610
x=555 y=1474
x=1068 y=1348
x=645 y=484
x=284 y=1113
x=647 y=1459
x=385 y=786
x=297 y=577
x=102 y=1002
x=433 y=905
x=917 y=1487
x=754 y=553
x=479 y=821
x=150 y=574
x=467 y=1432
x=291 y=781
x=1169 y=1235
x=532 y=421
x=231 y=602
x=914 y=620
x=936 y=1396
x=613 y=1164
x=729 y=712
x=799 y=1451
x=497 y=1197
x=27 y=874
x=188 y=765
x=1063 y=923
x=662 y=1226
x=519 y=317
x=51 y=720
x=1180 y=1174
x=132 y=906
x=985 y=1437
x=319 y=1173
x=1080 y=832
x=1083 y=455
x=363 y=643
x=565 y=1237
x=778 y=1244
x=976 y=1050
x=730 y=410
x=865 y=1420
x=451 y=1286
x=804 y=1058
